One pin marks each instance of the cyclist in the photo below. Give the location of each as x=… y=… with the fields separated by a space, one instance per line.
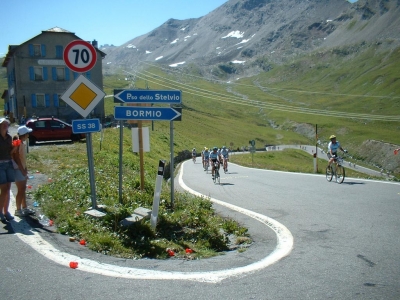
x=206 y=155
x=214 y=157
x=225 y=158
x=333 y=146
x=194 y=154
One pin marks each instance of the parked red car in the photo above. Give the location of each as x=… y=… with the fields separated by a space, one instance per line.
x=51 y=129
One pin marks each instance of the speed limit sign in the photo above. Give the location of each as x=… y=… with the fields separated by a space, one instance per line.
x=80 y=56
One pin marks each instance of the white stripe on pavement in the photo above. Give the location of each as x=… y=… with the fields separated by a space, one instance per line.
x=283 y=248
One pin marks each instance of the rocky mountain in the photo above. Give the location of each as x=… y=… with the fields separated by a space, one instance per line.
x=241 y=31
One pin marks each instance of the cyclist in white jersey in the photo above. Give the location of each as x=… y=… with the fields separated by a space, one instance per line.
x=225 y=157
x=206 y=157
x=214 y=156
x=194 y=154
x=333 y=146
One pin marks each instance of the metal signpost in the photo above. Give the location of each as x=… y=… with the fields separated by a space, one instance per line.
x=143 y=113
x=84 y=96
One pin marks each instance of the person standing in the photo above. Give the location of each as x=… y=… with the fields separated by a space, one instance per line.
x=6 y=170
x=21 y=171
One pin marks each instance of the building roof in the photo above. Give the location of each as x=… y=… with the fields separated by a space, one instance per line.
x=57 y=29
x=12 y=48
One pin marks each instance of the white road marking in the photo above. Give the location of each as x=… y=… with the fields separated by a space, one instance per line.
x=283 y=248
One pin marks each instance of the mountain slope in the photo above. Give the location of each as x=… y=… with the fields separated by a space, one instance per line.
x=241 y=31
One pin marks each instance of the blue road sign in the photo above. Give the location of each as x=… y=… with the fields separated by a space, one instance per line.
x=86 y=125
x=145 y=113
x=147 y=96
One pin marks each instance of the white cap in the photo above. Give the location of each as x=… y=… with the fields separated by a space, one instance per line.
x=4 y=119
x=23 y=130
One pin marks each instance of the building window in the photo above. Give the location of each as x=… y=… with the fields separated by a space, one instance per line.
x=61 y=102
x=60 y=74
x=38 y=71
x=40 y=100
x=37 y=50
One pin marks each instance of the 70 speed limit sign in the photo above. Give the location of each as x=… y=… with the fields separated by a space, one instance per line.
x=80 y=56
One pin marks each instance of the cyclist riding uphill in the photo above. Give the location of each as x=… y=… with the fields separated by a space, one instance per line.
x=206 y=157
x=214 y=157
x=225 y=157
x=333 y=146
x=194 y=154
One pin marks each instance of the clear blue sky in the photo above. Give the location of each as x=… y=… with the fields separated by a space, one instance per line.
x=109 y=22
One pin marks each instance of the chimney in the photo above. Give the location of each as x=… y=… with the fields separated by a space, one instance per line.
x=95 y=44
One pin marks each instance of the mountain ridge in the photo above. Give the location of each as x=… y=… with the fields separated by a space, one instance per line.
x=242 y=31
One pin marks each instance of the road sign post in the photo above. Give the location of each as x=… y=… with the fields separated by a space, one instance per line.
x=145 y=113
x=86 y=126
x=80 y=56
x=148 y=96
x=141 y=113
x=83 y=96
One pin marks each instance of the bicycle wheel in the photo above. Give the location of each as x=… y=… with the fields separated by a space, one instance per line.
x=340 y=174
x=329 y=174
x=217 y=177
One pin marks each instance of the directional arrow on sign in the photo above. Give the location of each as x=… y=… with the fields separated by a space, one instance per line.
x=147 y=96
x=145 y=113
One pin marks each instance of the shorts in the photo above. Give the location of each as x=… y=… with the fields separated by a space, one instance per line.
x=6 y=172
x=18 y=175
x=330 y=156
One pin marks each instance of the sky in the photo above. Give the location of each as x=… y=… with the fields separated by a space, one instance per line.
x=108 y=22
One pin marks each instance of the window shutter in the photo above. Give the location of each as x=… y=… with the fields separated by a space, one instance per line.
x=31 y=51
x=45 y=75
x=31 y=73
x=75 y=75
x=88 y=74
x=55 y=100
x=33 y=100
x=43 y=50
x=54 y=73
x=66 y=74
x=47 y=100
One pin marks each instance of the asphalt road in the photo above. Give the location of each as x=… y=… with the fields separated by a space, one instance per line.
x=313 y=239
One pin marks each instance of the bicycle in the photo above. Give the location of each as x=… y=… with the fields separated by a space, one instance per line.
x=217 y=177
x=336 y=170
x=225 y=164
x=194 y=158
x=206 y=165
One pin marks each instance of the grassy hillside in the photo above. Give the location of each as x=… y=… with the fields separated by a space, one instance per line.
x=352 y=92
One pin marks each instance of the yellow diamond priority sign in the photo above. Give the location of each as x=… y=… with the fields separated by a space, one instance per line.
x=83 y=96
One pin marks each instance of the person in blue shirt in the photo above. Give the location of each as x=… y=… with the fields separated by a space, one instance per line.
x=214 y=157
x=225 y=158
x=333 y=146
x=206 y=158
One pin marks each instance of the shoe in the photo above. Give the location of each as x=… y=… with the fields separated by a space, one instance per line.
x=8 y=216
x=3 y=219
x=213 y=177
x=27 y=211
x=19 y=213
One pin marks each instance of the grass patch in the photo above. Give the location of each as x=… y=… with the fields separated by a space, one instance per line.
x=191 y=223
